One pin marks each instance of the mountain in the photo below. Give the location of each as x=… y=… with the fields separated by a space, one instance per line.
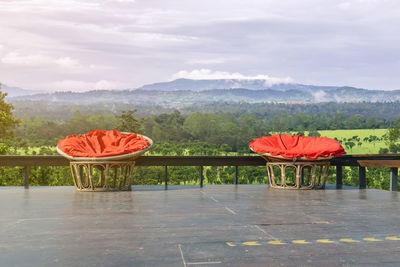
x=184 y=92
x=16 y=91
x=178 y=99
x=202 y=85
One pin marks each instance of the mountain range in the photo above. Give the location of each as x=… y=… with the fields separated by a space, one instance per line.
x=251 y=84
x=183 y=92
x=16 y=91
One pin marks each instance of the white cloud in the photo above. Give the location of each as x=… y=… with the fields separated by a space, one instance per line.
x=320 y=96
x=71 y=85
x=38 y=60
x=67 y=62
x=66 y=65
x=160 y=40
x=329 y=42
x=344 y=5
x=16 y=59
x=207 y=74
x=2 y=50
x=76 y=85
x=211 y=61
x=125 y=1
x=103 y=84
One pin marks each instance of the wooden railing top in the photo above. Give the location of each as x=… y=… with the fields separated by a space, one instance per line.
x=42 y=160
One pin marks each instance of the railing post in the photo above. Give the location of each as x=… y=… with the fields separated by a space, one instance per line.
x=393 y=179
x=339 y=176
x=236 y=174
x=362 y=176
x=166 y=178
x=201 y=176
x=26 y=178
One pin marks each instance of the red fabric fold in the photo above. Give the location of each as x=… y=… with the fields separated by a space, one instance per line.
x=290 y=146
x=99 y=143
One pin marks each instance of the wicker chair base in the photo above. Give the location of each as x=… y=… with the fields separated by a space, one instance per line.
x=304 y=175
x=102 y=175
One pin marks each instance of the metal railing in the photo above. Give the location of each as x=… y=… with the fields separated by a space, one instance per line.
x=236 y=161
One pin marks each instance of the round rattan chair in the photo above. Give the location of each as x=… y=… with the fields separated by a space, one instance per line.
x=297 y=162
x=109 y=165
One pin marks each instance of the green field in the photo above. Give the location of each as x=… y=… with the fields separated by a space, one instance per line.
x=366 y=147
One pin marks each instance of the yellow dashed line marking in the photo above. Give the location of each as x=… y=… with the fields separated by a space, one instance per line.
x=317 y=241
x=349 y=240
x=300 y=242
x=276 y=242
x=392 y=238
x=251 y=243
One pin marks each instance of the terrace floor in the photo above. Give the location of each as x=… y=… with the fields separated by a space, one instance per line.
x=227 y=225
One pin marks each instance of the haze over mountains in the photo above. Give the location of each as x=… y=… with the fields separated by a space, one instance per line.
x=16 y=91
x=183 y=92
x=251 y=84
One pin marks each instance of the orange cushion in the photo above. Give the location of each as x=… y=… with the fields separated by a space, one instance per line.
x=290 y=146
x=99 y=143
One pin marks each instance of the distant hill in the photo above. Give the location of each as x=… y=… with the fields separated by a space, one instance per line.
x=179 y=99
x=203 y=85
x=184 y=92
x=16 y=91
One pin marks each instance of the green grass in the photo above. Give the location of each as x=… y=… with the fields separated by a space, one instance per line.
x=366 y=147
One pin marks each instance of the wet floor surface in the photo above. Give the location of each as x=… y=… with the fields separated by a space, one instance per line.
x=227 y=225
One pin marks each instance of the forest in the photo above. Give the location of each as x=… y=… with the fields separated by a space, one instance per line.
x=226 y=131
x=207 y=131
x=59 y=111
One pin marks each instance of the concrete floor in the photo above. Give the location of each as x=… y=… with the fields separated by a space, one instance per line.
x=227 y=225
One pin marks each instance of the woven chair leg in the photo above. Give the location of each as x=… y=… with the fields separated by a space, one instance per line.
x=97 y=175
x=297 y=173
x=315 y=179
x=107 y=177
x=74 y=174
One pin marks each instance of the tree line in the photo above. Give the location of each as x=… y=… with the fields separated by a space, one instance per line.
x=179 y=133
x=228 y=132
x=386 y=111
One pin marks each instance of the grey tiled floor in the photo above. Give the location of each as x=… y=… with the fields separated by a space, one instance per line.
x=223 y=225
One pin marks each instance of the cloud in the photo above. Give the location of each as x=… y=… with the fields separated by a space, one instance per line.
x=39 y=60
x=76 y=85
x=16 y=59
x=67 y=62
x=320 y=96
x=103 y=84
x=207 y=74
x=344 y=5
x=347 y=42
x=210 y=61
x=125 y=1
x=46 y=63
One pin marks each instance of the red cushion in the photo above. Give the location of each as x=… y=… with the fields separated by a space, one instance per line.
x=99 y=143
x=290 y=146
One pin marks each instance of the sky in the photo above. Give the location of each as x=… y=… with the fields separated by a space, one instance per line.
x=119 y=44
